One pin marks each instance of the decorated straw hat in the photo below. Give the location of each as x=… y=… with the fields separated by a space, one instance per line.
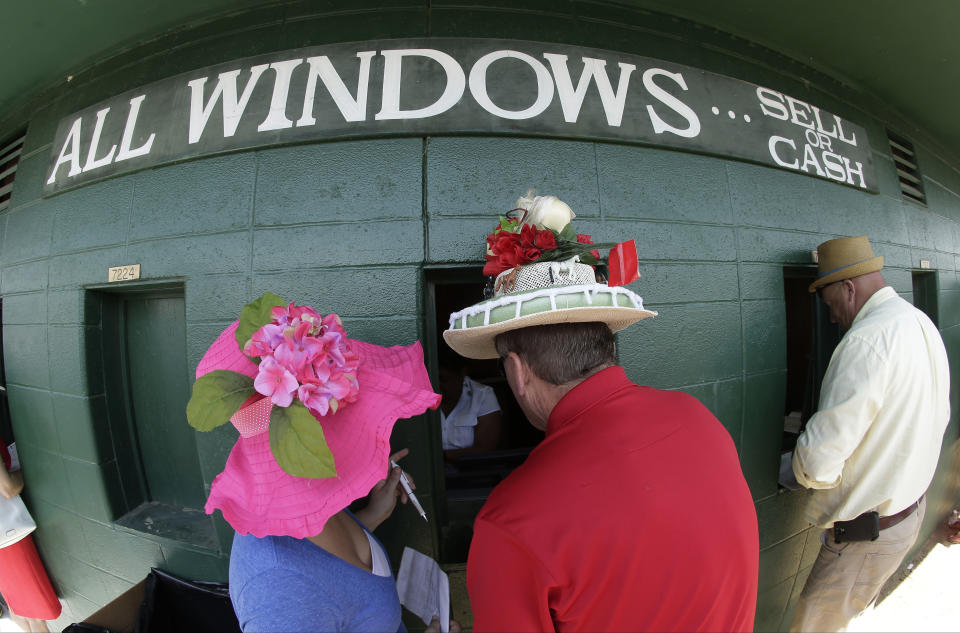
x=544 y=273
x=314 y=410
x=845 y=258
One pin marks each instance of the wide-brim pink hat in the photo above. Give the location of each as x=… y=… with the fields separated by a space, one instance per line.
x=257 y=497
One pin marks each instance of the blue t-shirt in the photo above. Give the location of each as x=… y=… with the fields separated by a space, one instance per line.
x=279 y=583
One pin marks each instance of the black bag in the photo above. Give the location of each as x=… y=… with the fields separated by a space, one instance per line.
x=174 y=604
x=865 y=527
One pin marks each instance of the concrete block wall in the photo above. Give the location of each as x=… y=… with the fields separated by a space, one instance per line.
x=349 y=226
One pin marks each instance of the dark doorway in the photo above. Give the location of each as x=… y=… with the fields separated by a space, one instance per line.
x=469 y=473
x=925 y=294
x=811 y=339
x=155 y=340
x=147 y=389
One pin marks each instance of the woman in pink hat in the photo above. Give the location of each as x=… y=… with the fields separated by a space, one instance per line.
x=314 y=410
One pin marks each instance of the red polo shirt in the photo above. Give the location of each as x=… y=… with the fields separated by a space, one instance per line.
x=631 y=515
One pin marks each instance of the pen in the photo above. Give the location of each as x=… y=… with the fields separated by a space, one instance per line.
x=409 y=491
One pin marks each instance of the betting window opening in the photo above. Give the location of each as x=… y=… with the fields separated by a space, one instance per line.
x=811 y=339
x=925 y=293
x=142 y=335
x=483 y=433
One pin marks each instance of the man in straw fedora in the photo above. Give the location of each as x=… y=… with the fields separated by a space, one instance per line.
x=871 y=449
x=632 y=513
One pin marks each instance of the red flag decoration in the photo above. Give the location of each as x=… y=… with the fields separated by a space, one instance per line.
x=622 y=264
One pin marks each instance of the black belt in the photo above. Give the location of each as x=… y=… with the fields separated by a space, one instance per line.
x=893 y=519
x=867 y=526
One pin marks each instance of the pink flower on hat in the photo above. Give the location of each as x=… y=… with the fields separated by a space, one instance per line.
x=292 y=313
x=264 y=340
x=275 y=382
x=299 y=349
x=305 y=353
x=316 y=398
x=299 y=367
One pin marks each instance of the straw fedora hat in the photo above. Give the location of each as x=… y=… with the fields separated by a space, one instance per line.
x=845 y=258
x=543 y=293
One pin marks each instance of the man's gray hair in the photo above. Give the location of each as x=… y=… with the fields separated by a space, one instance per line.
x=560 y=352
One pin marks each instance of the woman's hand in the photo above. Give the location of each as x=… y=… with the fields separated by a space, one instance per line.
x=10 y=483
x=383 y=496
x=435 y=626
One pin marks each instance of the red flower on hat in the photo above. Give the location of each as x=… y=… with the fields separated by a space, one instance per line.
x=511 y=249
x=586 y=239
x=545 y=240
x=514 y=244
x=528 y=234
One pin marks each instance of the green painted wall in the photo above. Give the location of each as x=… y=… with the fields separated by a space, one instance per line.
x=348 y=227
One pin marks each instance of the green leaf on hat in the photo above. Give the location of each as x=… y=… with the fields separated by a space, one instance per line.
x=565 y=251
x=509 y=225
x=568 y=233
x=217 y=396
x=298 y=443
x=255 y=315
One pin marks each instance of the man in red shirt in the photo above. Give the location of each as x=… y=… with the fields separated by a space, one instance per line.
x=632 y=514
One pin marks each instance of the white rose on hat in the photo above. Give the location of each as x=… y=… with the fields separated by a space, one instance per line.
x=546 y=212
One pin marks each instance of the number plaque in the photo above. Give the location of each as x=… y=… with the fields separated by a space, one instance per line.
x=123 y=273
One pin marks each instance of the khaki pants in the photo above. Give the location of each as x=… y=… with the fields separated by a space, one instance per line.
x=847 y=577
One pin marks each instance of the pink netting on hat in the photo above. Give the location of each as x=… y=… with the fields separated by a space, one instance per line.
x=253 y=419
x=257 y=497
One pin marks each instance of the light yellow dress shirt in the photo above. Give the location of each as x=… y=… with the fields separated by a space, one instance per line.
x=875 y=440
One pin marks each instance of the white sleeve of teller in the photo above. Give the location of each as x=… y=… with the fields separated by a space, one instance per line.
x=485 y=399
